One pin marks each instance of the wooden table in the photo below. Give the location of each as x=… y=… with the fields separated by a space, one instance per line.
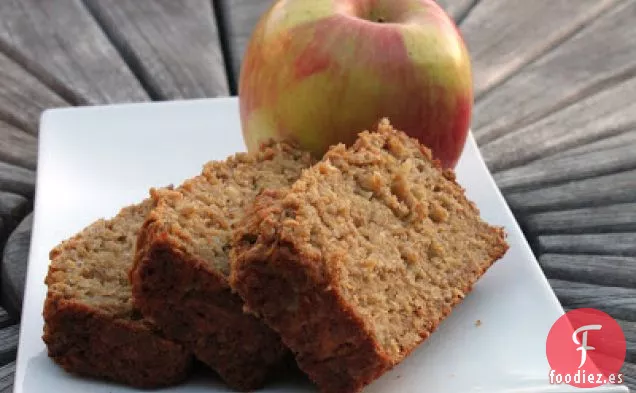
x=555 y=117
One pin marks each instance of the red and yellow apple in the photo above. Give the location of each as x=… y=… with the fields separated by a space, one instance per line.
x=320 y=71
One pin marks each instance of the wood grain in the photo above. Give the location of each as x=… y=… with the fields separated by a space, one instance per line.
x=629 y=330
x=603 y=190
x=13 y=208
x=14 y=265
x=8 y=343
x=626 y=138
x=499 y=46
x=616 y=301
x=5 y=318
x=6 y=377
x=17 y=147
x=17 y=180
x=594 y=243
x=22 y=96
x=458 y=9
x=240 y=17
x=556 y=116
x=629 y=375
x=613 y=271
x=608 y=113
x=173 y=46
x=584 y=64
x=573 y=167
x=613 y=218
x=60 y=42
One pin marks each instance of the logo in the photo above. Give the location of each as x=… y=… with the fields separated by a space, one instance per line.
x=585 y=348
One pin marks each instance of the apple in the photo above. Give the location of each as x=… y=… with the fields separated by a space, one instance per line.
x=320 y=71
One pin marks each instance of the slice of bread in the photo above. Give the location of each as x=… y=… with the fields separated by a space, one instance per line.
x=362 y=258
x=91 y=327
x=180 y=278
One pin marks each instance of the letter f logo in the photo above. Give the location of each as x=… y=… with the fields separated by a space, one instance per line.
x=584 y=347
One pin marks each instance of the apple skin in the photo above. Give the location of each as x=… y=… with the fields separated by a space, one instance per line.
x=318 y=72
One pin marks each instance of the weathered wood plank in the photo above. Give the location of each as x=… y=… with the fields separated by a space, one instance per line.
x=239 y=18
x=8 y=343
x=605 y=270
x=173 y=46
x=22 y=96
x=548 y=172
x=594 y=243
x=603 y=190
x=6 y=377
x=16 y=180
x=61 y=43
x=629 y=330
x=17 y=147
x=584 y=64
x=617 y=301
x=629 y=375
x=458 y=9
x=14 y=265
x=13 y=208
x=5 y=318
x=627 y=138
x=501 y=45
x=607 y=113
x=613 y=218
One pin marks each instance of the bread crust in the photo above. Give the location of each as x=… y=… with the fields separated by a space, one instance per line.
x=195 y=305
x=87 y=342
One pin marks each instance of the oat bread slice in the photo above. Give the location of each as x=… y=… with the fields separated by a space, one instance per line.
x=91 y=327
x=180 y=278
x=359 y=261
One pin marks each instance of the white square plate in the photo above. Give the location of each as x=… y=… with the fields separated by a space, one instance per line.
x=94 y=160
